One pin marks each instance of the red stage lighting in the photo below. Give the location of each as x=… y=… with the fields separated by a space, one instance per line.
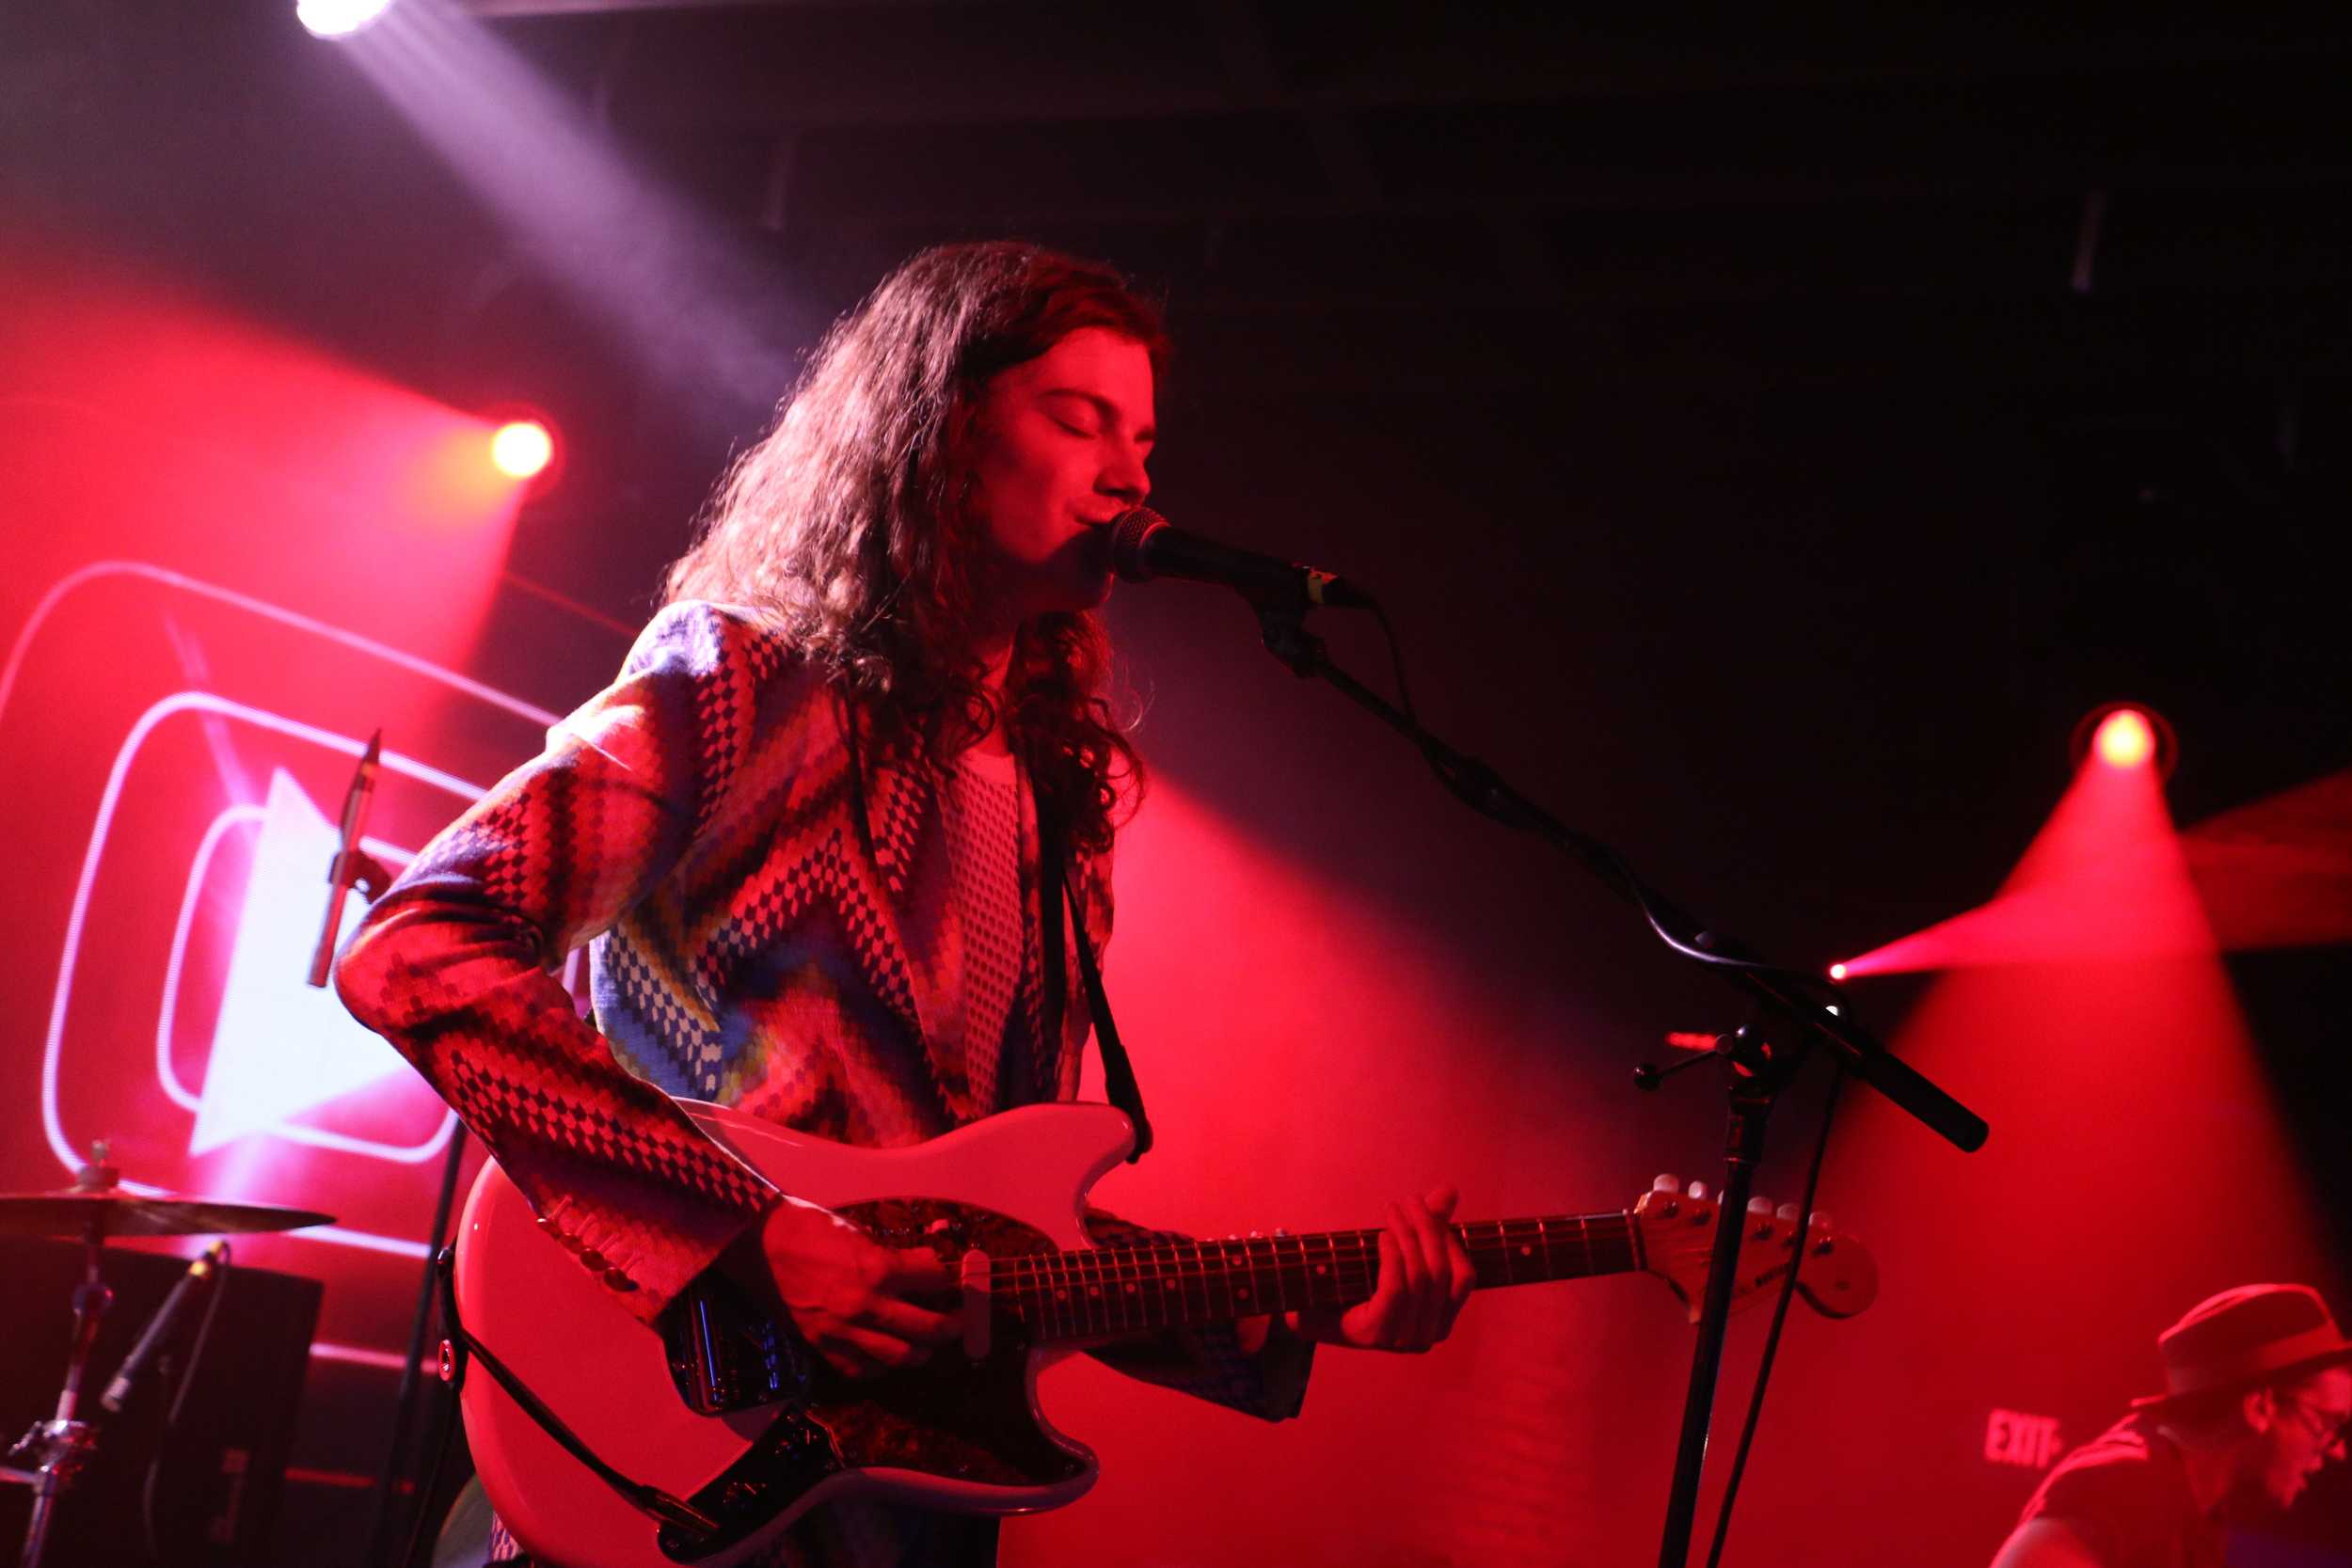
x=1837 y=972
x=522 y=449
x=2124 y=739
x=2126 y=735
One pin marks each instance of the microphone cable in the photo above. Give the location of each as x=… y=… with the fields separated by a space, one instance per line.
x=1780 y=1316
x=1640 y=894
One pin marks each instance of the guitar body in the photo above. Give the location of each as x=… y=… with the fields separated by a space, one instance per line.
x=722 y=1411
x=960 y=1433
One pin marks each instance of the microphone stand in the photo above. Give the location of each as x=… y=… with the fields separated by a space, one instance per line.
x=1778 y=996
x=352 y=869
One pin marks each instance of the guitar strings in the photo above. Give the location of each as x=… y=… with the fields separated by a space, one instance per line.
x=1529 y=1238
x=1045 y=1282
x=1354 y=1265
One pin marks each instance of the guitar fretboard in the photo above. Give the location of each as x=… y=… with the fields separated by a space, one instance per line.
x=1090 y=1293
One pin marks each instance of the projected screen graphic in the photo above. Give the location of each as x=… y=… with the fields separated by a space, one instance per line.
x=236 y=1047
x=191 y=822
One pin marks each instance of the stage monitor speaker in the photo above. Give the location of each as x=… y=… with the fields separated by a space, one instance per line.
x=196 y=1490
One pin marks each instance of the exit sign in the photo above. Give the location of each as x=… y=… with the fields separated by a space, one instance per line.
x=2014 y=1437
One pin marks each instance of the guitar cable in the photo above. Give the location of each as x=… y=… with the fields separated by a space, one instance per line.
x=1780 y=1316
x=430 y=1485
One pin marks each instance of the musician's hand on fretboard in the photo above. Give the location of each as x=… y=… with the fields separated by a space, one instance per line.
x=1425 y=1277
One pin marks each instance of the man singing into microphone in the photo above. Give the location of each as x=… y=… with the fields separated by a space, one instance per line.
x=809 y=830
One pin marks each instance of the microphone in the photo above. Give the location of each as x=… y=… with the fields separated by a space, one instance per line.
x=158 y=1326
x=1145 y=545
x=345 y=872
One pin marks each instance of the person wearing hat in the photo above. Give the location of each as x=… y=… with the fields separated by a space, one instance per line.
x=2257 y=1396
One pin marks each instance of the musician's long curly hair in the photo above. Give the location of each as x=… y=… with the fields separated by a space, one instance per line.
x=847 y=524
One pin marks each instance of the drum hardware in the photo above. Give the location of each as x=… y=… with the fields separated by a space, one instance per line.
x=52 y=1452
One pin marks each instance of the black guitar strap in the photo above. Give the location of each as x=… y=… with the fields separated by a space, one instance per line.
x=652 y=1501
x=1118 y=1073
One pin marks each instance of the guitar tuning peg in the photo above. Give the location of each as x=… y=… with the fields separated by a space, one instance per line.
x=1666 y=1184
x=1698 y=1190
x=1786 y=1211
x=1759 y=1205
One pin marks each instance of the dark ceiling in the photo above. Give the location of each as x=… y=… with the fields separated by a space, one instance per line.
x=1957 y=185
x=1724 y=195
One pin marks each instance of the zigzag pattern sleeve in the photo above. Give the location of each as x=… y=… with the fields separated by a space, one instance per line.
x=454 y=965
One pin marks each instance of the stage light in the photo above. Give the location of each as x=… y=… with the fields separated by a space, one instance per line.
x=337 y=19
x=522 y=449
x=2124 y=739
x=2125 y=736
x=1837 y=972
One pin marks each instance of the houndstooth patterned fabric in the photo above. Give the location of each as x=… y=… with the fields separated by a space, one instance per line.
x=782 y=921
x=776 y=926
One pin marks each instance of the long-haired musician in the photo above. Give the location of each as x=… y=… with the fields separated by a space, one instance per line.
x=812 y=830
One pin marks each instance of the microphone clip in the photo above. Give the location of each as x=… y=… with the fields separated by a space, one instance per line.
x=358 y=869
x=1282 y=623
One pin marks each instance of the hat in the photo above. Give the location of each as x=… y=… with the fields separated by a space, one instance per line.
x=2253 y=1335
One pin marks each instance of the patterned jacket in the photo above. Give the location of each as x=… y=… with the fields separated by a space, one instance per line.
x=774 y=927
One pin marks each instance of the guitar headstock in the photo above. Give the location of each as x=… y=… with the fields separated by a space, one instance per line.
x=1836 y=1277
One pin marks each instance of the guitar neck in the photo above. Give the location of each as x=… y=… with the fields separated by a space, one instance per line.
x=1090 y=1293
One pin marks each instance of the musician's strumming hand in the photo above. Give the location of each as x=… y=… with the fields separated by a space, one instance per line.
x=1425 y=1277
x=856 y=1302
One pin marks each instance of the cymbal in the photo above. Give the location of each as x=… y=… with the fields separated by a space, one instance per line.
x=70 y=1212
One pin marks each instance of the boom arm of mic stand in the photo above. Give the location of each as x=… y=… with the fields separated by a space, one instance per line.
x=1779 y=990
x=1485 y=792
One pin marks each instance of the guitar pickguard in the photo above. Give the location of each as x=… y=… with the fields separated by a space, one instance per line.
x=952 y=1416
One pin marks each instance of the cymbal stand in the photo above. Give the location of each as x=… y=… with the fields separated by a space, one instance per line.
x=54 y=1450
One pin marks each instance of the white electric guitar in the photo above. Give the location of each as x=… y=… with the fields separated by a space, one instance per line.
x=739 y=1432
